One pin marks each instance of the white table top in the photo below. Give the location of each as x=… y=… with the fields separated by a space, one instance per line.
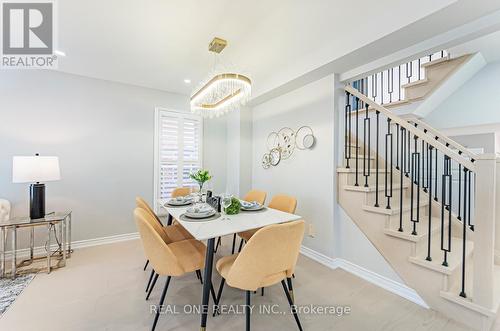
x=245 y=220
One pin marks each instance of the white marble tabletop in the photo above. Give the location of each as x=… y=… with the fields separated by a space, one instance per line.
x=245 y=220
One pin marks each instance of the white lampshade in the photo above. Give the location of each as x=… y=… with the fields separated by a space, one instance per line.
x=32 y=169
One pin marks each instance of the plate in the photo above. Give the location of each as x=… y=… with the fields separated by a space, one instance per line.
x=253 y=208
x=176 y=203
x=200 y=215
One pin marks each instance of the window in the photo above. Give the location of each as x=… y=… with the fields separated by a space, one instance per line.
x=178 y=151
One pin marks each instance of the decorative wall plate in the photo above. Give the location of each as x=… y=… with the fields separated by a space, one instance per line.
x=282 y=144
x=275 y=156
x=266 y=161
x=286 y=142
x=304 y=138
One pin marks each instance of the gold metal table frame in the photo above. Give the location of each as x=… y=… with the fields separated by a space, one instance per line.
x=62 y=220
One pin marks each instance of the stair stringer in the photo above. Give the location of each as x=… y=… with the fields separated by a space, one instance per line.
x=396 y=251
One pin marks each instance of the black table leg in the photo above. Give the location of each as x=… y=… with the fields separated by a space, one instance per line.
x=207 y=284
x=169 y=219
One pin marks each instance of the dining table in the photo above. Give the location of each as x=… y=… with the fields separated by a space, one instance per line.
x=209 y=230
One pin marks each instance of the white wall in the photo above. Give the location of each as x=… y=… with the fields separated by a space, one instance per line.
x=477 y=102
x=103 y=134
x=307 y=175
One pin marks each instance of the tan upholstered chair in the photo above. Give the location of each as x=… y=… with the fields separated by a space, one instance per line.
x=269 y=257
x=169 y=233
x=175 y=232
x=168 y=259
x=253 y=195
x=256 y=195
x=281 y=202
x=181 y=192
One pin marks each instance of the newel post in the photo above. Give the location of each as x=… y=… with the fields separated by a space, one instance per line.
x=484 y=229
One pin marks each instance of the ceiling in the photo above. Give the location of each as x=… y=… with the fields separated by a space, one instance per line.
x=159 y=43
x=488 y=46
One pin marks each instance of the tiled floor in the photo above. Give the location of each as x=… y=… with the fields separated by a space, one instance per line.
x=102 y=288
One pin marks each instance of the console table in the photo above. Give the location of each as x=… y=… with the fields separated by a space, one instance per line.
x=50 y=221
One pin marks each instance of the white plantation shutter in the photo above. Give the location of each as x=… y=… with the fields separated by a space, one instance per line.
x=178 y=149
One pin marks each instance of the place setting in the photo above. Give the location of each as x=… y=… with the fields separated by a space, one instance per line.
x=182 y=201
x=252 y=206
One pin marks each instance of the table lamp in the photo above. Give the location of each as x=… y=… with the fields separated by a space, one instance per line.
x=34 y=170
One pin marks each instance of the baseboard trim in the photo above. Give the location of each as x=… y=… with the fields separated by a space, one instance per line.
x=387 y=284
x=40 y=250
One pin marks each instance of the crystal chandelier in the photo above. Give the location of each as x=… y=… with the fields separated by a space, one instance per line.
x=223 y=91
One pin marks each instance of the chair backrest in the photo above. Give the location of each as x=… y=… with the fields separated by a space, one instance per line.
x=141 y=203
x=161 y=257
x=272 y=251
x=284 y=203
x=155 y=221
x=256 y=195
x=181 y=192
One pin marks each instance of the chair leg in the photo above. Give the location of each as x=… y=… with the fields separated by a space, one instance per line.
x=152 y=286
x=163 y=295
x=290 y=288
x=219 y=295
x=218 y=244
x=292 y=306
x=150 y=279
x=247 y=311
x=198 y=274
x=146 y=265
x=241 y=245
x=234 y=244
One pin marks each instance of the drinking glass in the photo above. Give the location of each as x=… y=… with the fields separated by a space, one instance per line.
x=226 y=202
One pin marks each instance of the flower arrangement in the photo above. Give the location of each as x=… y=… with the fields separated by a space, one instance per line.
x=201 y=176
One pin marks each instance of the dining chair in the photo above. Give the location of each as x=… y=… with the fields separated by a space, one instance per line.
x=170 y=233
x=268 y=258
x=168 y=259
x=181 y=192
x=282 y=202
x=251 y=196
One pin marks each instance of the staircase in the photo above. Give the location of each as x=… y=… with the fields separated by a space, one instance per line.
x=425 y=202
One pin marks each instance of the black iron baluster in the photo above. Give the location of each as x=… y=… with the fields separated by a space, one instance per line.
x=446 y=204
x=397 y=146
x=408 y=153
x=399 y=82
x=374 y=87
x=415 y=180
x=436 y=176
x=401 y=179
x=366 y=150
x=409 y=70
x=376 y=160
x=419 y=75
x=357 y=140
x=459 y=217
x=347 y=151
x=464 y=234
x=381 y=87
x=429 y=179
x=390 y=83
x=471 y=226
x=424 y=185
x=388 y=161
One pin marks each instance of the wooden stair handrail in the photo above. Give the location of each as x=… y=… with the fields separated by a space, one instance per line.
x=411 y=128
x=444 y=138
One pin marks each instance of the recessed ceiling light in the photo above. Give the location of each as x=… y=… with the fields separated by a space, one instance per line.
x=187 y=81
x=60 y=53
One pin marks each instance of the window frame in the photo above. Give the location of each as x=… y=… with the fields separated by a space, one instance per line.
x=156 y=166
